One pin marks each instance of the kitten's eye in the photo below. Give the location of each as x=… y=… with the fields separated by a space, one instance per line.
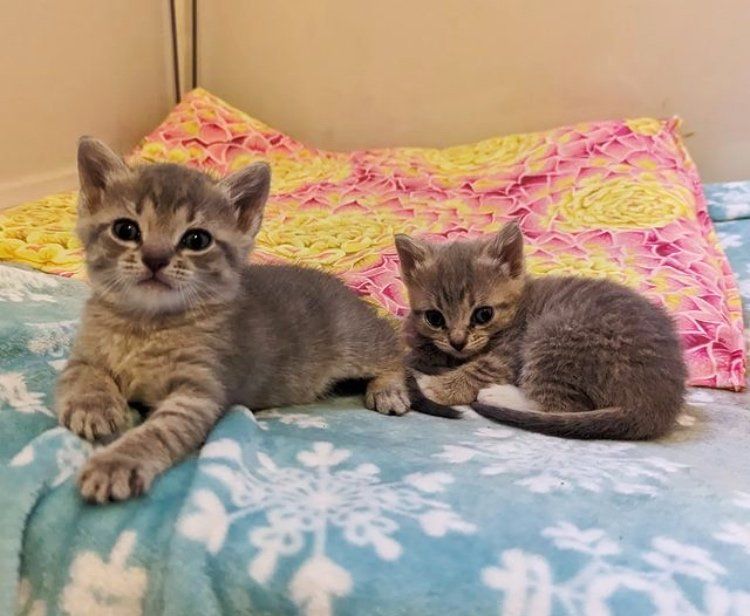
x=434 y=318
x=196 y=239
x=126 y=230
x=482 y=315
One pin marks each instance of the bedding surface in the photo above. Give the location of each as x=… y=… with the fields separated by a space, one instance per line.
x=729 y=206
x=333 y=509
x=617 y=199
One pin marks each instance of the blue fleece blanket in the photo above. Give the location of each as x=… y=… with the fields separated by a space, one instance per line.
x=331 y=508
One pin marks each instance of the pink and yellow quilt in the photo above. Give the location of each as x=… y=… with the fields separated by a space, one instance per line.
x=616 y=199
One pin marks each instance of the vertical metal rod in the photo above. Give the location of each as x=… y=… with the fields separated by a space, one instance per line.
x=194 y=22
x=175 y=55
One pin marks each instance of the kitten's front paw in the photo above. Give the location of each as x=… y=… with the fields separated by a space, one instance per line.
x=111 y=476
x=388 y=396
x=445 y=390
x=93 y=416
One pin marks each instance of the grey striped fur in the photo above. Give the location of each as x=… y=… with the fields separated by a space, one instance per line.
x=206 y=331
x=595 y=358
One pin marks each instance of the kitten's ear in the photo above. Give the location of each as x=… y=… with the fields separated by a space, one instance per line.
x=248 y=191
x=97 y=166
x=411 y=252
x=507 y=248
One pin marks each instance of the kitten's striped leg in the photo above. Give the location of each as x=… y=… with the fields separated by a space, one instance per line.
x=462 y=384
x=177 y=427
x=88 y=402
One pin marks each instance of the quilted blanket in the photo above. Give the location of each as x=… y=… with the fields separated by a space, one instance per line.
x=332 y=509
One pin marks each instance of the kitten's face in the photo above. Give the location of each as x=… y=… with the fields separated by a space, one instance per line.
x=164 y=238
x=462 y=293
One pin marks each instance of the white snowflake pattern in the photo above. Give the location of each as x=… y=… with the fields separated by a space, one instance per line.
x=15 y=393
x=300 y=420
x=70 y=452
x=740 y=208
x=309 y=502
x=52 y=339
x=730 y=240
x=70 y=457
x=676 y=558
x=744 y=286
x=545 y=464
x=528 y=585
x=593 y=541
x=106 y=585
x=18 y=285
x=58 y=364
x=742 y=499
x=737 y=533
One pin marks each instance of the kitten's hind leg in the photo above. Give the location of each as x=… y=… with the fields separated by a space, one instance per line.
x=558 y=372
x=550 y=394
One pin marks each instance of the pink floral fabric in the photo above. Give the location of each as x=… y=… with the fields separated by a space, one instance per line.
x=616 y=199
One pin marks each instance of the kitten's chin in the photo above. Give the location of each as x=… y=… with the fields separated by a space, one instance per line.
x=149 y=299
x=156 y=298
x=155 y=285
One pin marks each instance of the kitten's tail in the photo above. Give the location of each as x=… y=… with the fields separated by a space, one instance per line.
x=422 y=404
x=607 y=423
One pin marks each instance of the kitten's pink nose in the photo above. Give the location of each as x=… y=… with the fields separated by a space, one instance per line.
x=458 y=343
x=155 y=261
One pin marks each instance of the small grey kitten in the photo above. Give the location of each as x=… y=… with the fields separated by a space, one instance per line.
x=179 y=323
x=596 y=359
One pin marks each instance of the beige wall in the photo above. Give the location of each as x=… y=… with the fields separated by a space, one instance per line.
x=73 y=67
x=352 y=73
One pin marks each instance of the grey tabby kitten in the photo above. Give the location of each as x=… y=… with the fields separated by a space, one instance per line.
x=595 y=359
x=179 y=323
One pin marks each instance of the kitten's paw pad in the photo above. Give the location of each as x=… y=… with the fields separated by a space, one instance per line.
x=110 y=476
x=93 y=419
x=389 y=399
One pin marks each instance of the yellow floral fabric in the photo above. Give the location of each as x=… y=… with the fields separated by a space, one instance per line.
x=618 y=199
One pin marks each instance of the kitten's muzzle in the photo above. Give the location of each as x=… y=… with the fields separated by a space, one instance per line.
x=458 y=342
x=156 y=276
x=155 y=261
